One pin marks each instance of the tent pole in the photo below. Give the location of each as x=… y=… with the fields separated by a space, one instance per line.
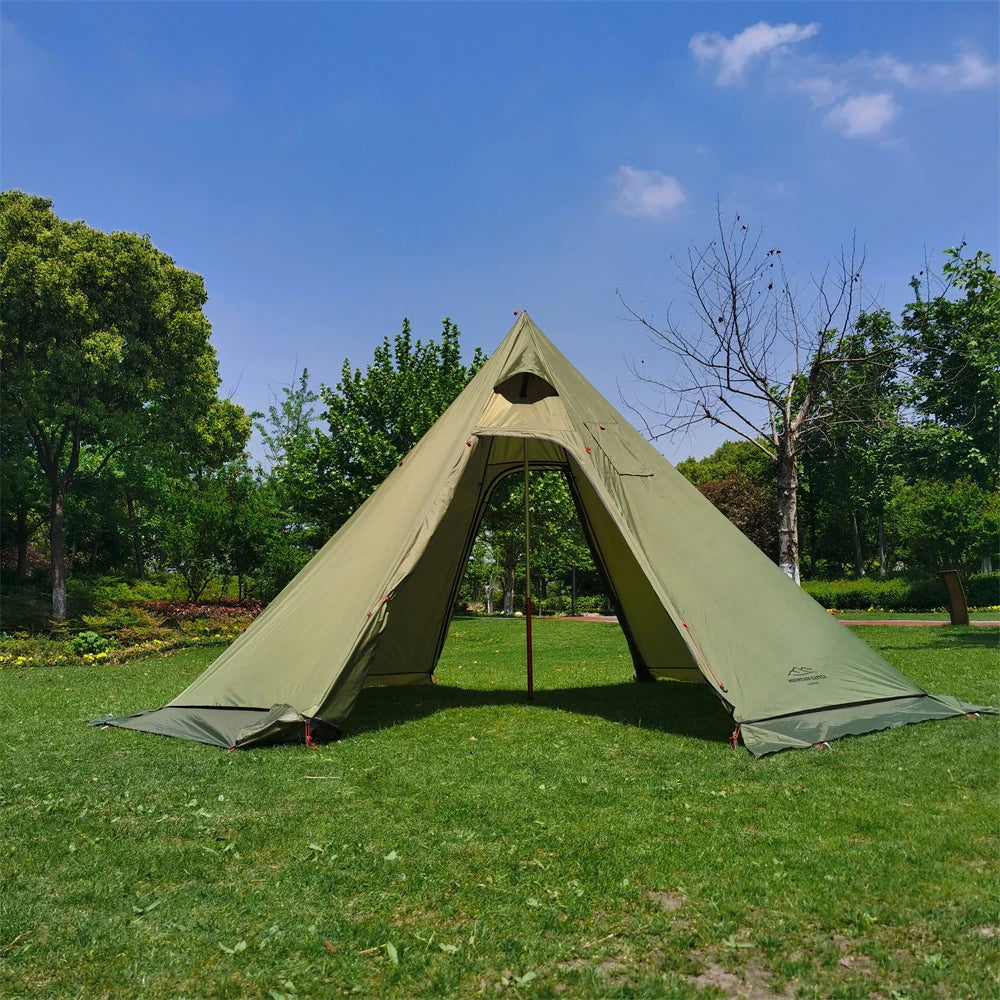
x=527 y=576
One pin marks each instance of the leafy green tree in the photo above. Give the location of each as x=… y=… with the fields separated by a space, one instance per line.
x=482 y=575
x=373 y=418
x=249 y=533
x=560 y=547
x=557 y=540
x=206 y=518
x=192 y=524
x=945 y=525
x=956 y=341
x=103 y=346
x=289 y=422
x=848 y=467
x=503 y=531
x=731 y=458
x=291 y=486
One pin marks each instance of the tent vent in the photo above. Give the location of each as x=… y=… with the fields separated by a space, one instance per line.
x=524 y=387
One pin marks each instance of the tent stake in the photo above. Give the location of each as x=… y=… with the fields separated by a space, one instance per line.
x=527 y=576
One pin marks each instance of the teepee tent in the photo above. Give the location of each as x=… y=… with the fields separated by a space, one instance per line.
x=696 y=600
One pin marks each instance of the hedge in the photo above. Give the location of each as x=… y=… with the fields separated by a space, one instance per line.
x=899 y=594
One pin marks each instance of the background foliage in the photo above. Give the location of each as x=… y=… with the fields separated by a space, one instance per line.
x=111 y=410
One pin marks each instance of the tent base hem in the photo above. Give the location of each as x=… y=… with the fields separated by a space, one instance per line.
x=807 y=729
x=230 y=728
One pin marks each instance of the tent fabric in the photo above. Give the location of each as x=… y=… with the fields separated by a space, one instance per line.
x=696 y=599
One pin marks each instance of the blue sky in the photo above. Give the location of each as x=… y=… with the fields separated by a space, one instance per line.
x=330 y=168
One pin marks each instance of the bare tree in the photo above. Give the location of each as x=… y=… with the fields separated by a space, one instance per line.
x=763 y=365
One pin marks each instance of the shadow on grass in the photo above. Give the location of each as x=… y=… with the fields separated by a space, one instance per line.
x=950 y=638
x=667 y=706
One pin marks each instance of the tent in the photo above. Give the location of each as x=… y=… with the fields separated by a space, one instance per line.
x=696 y=600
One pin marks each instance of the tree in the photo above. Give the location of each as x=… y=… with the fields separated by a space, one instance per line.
x=103 y=346
x=21 y=494
x=482 y=574
x=192 y=524
x=731 y=458
x=945 y=525
x=956 y=346
x=373 y=418
x=290 y=480
x=763 y=364
x=206 y=523
x=557 y=540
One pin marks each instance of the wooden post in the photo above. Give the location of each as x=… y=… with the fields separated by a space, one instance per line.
x=958 y=606
x=527 y=576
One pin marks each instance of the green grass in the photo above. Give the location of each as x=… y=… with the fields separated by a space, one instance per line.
x=604 y=841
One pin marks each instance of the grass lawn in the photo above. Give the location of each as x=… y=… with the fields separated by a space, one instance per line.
x=605 y=841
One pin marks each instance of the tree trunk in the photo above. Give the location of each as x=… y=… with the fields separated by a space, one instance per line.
x=788 y=527
x=511 y=556
x=137 y=553
x=489 y=596
x=57 y=556
x=811 y=532
x=859 y=559
x=881 y=544
x=22 y=543
x=508 y=589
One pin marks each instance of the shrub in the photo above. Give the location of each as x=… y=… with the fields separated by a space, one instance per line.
x=558 y=604
x=591 y=605
x=983 y=590
x=113 y=619
x=90 y=642
x=900 y=594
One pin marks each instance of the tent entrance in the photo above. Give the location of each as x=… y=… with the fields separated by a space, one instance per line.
x=655 y=643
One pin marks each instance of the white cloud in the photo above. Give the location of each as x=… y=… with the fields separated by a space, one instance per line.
x=822 y=90
x=864 y=115
x=968 y=72
x=736 y=53
x=646 y=193
x=857 y=95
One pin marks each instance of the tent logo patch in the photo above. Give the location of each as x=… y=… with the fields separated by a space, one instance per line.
x=798 y=674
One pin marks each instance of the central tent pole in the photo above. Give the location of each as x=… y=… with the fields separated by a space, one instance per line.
x=527 y=575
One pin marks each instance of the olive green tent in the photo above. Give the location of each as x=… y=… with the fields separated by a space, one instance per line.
x=696 y=600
